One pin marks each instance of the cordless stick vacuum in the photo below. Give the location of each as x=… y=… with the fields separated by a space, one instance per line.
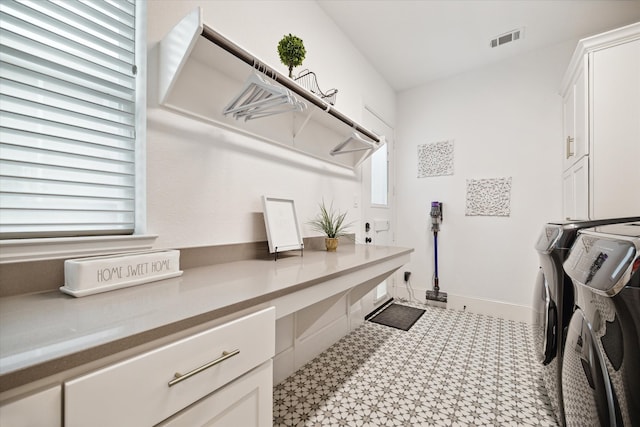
x=436 y=219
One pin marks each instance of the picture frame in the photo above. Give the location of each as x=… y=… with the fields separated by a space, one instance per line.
x=281 y=222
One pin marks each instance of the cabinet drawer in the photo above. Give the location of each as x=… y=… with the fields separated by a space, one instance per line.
x=246 y=402
x=137 y=391
x=42 y=409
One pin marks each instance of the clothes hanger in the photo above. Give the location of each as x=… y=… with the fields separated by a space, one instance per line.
x=286 y=107
x=355 y=136
x=266 y=104
x=253 y=88
x=264 y=100
x=259 y=98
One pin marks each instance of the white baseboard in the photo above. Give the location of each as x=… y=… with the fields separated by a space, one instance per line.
x=503 y=310
x=500 y=309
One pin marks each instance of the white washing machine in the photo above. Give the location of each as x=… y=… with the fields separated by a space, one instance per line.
x=601 y=363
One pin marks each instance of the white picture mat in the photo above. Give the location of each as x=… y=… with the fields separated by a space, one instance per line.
x=281 y=221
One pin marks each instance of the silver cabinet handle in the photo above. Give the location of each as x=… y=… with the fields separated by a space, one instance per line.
x=569 y=152
x=181 y=377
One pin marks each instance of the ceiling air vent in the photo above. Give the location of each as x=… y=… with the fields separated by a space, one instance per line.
x=506 y=38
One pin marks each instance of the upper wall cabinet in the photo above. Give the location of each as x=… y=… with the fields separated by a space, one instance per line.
x=601 y=143
x=207 y=76
x=574 y=109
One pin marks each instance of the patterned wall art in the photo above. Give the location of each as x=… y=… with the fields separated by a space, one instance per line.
x=489 y=197
x=435 y=159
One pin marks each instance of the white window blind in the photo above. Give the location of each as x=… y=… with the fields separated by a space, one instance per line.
x=67 y=117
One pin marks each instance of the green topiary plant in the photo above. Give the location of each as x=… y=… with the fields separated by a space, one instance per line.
x=291 y=50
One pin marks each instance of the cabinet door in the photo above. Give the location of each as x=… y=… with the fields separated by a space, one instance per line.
x=580 y=172
x=568 y=195
x=42 y=409
x=246 y=402
x=580 y=117
x=568 y=123
x=575 y=190
x=616 y=131
x=143 y=390
x=575 y=111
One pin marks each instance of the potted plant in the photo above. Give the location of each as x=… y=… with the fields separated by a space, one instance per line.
x=332 y=224
x=291 y=50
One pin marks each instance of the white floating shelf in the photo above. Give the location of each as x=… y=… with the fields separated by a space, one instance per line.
x=200 y=71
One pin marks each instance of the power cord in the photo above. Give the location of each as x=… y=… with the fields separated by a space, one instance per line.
x=407 y=281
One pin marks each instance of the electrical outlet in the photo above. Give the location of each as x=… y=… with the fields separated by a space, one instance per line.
x=407 y=274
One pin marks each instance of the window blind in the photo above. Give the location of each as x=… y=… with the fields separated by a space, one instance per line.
x=67 y=117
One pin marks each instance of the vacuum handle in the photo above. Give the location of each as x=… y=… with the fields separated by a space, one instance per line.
x=436 y=216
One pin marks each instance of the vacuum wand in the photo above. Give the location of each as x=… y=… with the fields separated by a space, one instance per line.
x=436 y=219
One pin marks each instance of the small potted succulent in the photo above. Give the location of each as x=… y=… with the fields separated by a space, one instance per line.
x=292 y=52
x=332 y=224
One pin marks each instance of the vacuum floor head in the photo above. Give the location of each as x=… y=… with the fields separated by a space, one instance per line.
x=436 y=296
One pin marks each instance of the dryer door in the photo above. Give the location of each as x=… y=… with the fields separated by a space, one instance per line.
x=545 y=320
x=588 y=399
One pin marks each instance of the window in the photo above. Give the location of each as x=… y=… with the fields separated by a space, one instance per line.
x=379 y=177
x=68 y=118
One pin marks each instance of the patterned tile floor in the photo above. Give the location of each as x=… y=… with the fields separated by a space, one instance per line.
x=450 y=369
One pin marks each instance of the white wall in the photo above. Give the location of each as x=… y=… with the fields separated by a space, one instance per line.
x=204 y=184
x=506 y=121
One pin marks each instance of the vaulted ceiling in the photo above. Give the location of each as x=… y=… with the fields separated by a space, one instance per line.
x=412 y=42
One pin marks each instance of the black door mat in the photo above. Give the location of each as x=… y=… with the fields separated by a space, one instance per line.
x=398 y=316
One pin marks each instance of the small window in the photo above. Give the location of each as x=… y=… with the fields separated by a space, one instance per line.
x=379 y=177
x=67 y=118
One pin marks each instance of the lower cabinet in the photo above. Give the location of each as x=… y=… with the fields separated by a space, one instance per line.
x=575 y=190
x=206 y=376
x=41 y=409
x=246 y=402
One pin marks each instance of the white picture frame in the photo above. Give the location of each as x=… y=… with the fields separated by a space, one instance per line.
x=281 y=222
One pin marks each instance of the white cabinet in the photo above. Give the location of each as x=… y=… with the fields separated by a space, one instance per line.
x=41 y=409
x=575 y=185
x=149 y=388
x=246 y=402
x=601 y=127
x=576 y=144
x=615 y=126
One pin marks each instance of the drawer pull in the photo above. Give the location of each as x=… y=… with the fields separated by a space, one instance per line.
x=181 y=377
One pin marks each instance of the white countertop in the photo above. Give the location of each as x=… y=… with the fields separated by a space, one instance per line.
x=48 y=332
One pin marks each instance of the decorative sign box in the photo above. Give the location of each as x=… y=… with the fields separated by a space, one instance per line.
x=87 y=276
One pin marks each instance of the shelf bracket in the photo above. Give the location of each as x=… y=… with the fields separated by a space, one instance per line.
x=304 y=123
